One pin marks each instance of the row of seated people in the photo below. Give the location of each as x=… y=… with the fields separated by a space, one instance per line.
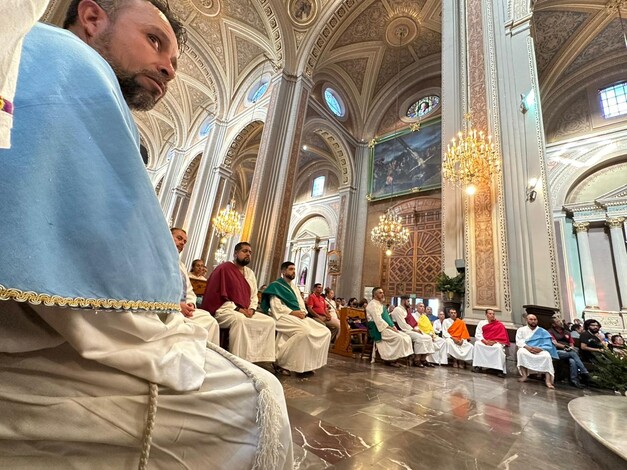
x=399 y=335
x=275 y=330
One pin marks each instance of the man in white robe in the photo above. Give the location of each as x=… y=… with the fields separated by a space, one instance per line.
x=391 y=343
x=302 y=343
x=489 y=349
x=423 y=344
x=535 y=351
x=456 y=335
x=231 y=295
x=188 y=298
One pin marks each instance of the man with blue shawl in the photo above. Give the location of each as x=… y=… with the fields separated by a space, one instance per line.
x=536 y=351
x=97 y=367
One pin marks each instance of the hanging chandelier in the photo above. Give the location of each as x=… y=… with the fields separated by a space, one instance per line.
x=227 y=224
x=470 y=160
x=389 y=232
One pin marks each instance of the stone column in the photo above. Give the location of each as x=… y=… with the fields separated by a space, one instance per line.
x=205 y=191
x=167 y=195
x=353 y=214
x=271 y=194
x=488 y=61
x=585 y=259
x=620 y=257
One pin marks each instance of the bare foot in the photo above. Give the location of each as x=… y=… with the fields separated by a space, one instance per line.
x=522 y=379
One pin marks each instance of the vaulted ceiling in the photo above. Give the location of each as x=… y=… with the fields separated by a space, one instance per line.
x=575 y=42
x=349 y=44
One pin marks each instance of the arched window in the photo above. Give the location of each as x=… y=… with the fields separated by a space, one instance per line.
x=257 y=91
x=317 y=188
x=423 y=107
x=205 y=128
x=334 y=102
x=614 y=100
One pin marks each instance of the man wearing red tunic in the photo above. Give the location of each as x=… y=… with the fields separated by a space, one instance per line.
x=231 y=296
x=490 y=346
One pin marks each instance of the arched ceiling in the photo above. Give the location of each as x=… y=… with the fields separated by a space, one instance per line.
x=360 y=50
x=350 y=44
x=575 y=41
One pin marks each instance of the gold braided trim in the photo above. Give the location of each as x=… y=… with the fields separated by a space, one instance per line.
x=108 y=304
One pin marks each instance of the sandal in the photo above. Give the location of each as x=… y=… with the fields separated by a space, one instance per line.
x=278 y=370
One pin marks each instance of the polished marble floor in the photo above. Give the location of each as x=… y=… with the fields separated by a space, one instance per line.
x=356 y=415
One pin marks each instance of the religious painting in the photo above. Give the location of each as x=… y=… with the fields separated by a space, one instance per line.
x=302 y=10
x=406 y=161
x=423 y=107
x=334 y=263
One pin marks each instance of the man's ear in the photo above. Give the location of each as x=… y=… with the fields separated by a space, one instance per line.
x=92 y=19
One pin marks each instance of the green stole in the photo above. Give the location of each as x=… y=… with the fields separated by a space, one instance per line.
x=283 y=290
x=373 y=331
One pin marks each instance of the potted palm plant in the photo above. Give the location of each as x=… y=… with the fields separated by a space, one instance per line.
x=451 y=287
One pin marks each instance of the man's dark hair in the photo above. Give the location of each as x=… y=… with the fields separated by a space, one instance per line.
x=240 y=245
x=286 y=265
x=317 y=284
x=177 y=229
x=587 y=323
x=615 y=337
x=404 y=297
x=112 y=7
x=375 y=290
x=488 y=309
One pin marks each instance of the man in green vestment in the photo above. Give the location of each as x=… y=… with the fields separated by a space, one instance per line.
x=302 y=343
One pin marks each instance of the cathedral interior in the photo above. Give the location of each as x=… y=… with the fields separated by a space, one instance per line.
x=313 y=118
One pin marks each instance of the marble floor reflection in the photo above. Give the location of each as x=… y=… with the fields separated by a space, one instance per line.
x=356 y=415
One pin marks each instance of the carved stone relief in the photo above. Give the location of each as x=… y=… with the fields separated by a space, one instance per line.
x=355 y=69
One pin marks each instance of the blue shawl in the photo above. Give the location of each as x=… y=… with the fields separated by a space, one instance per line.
x=81 y=224
x=542 y=339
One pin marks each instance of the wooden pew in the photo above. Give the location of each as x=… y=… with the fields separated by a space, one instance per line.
x=343 y=345
x=198 y=286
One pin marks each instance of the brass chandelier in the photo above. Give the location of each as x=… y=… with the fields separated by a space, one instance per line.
x=470 y=160
x=226 y=224
x=389 y=232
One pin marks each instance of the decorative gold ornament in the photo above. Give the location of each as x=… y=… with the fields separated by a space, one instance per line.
x=389 y=232
x=470 y=160
x=226 y=224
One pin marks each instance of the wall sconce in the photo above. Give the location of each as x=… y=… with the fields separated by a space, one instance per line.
x=531 y=189
x=527 y=101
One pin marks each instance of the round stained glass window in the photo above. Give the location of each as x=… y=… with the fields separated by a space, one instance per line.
x=423 y=107
x=334 y=102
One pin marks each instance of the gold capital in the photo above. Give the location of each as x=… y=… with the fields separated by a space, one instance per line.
x=581 y=226
x=615 y=222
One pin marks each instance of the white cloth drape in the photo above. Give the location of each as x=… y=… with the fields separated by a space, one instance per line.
x=461 y=352
x=252 y=338
x=535 y=363
x=74 y=394
x=394 y=344
x=17 y=17
x=490 y=357
x=423 y=344
x=302 y=345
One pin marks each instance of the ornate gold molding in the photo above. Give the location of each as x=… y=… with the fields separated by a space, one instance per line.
x=81 y=302
x=581 y=226
x=615 y=222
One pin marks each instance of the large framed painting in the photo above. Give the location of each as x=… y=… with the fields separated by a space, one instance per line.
x=406 y=161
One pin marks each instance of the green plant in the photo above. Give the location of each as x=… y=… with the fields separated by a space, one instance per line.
x=611 y=371
x=445 y=283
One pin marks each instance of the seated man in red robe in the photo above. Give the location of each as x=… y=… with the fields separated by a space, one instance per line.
x=231 y=296
x=490 y=346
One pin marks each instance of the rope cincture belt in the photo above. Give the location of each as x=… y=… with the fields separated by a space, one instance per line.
x=150 y=425
x=6 y=106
